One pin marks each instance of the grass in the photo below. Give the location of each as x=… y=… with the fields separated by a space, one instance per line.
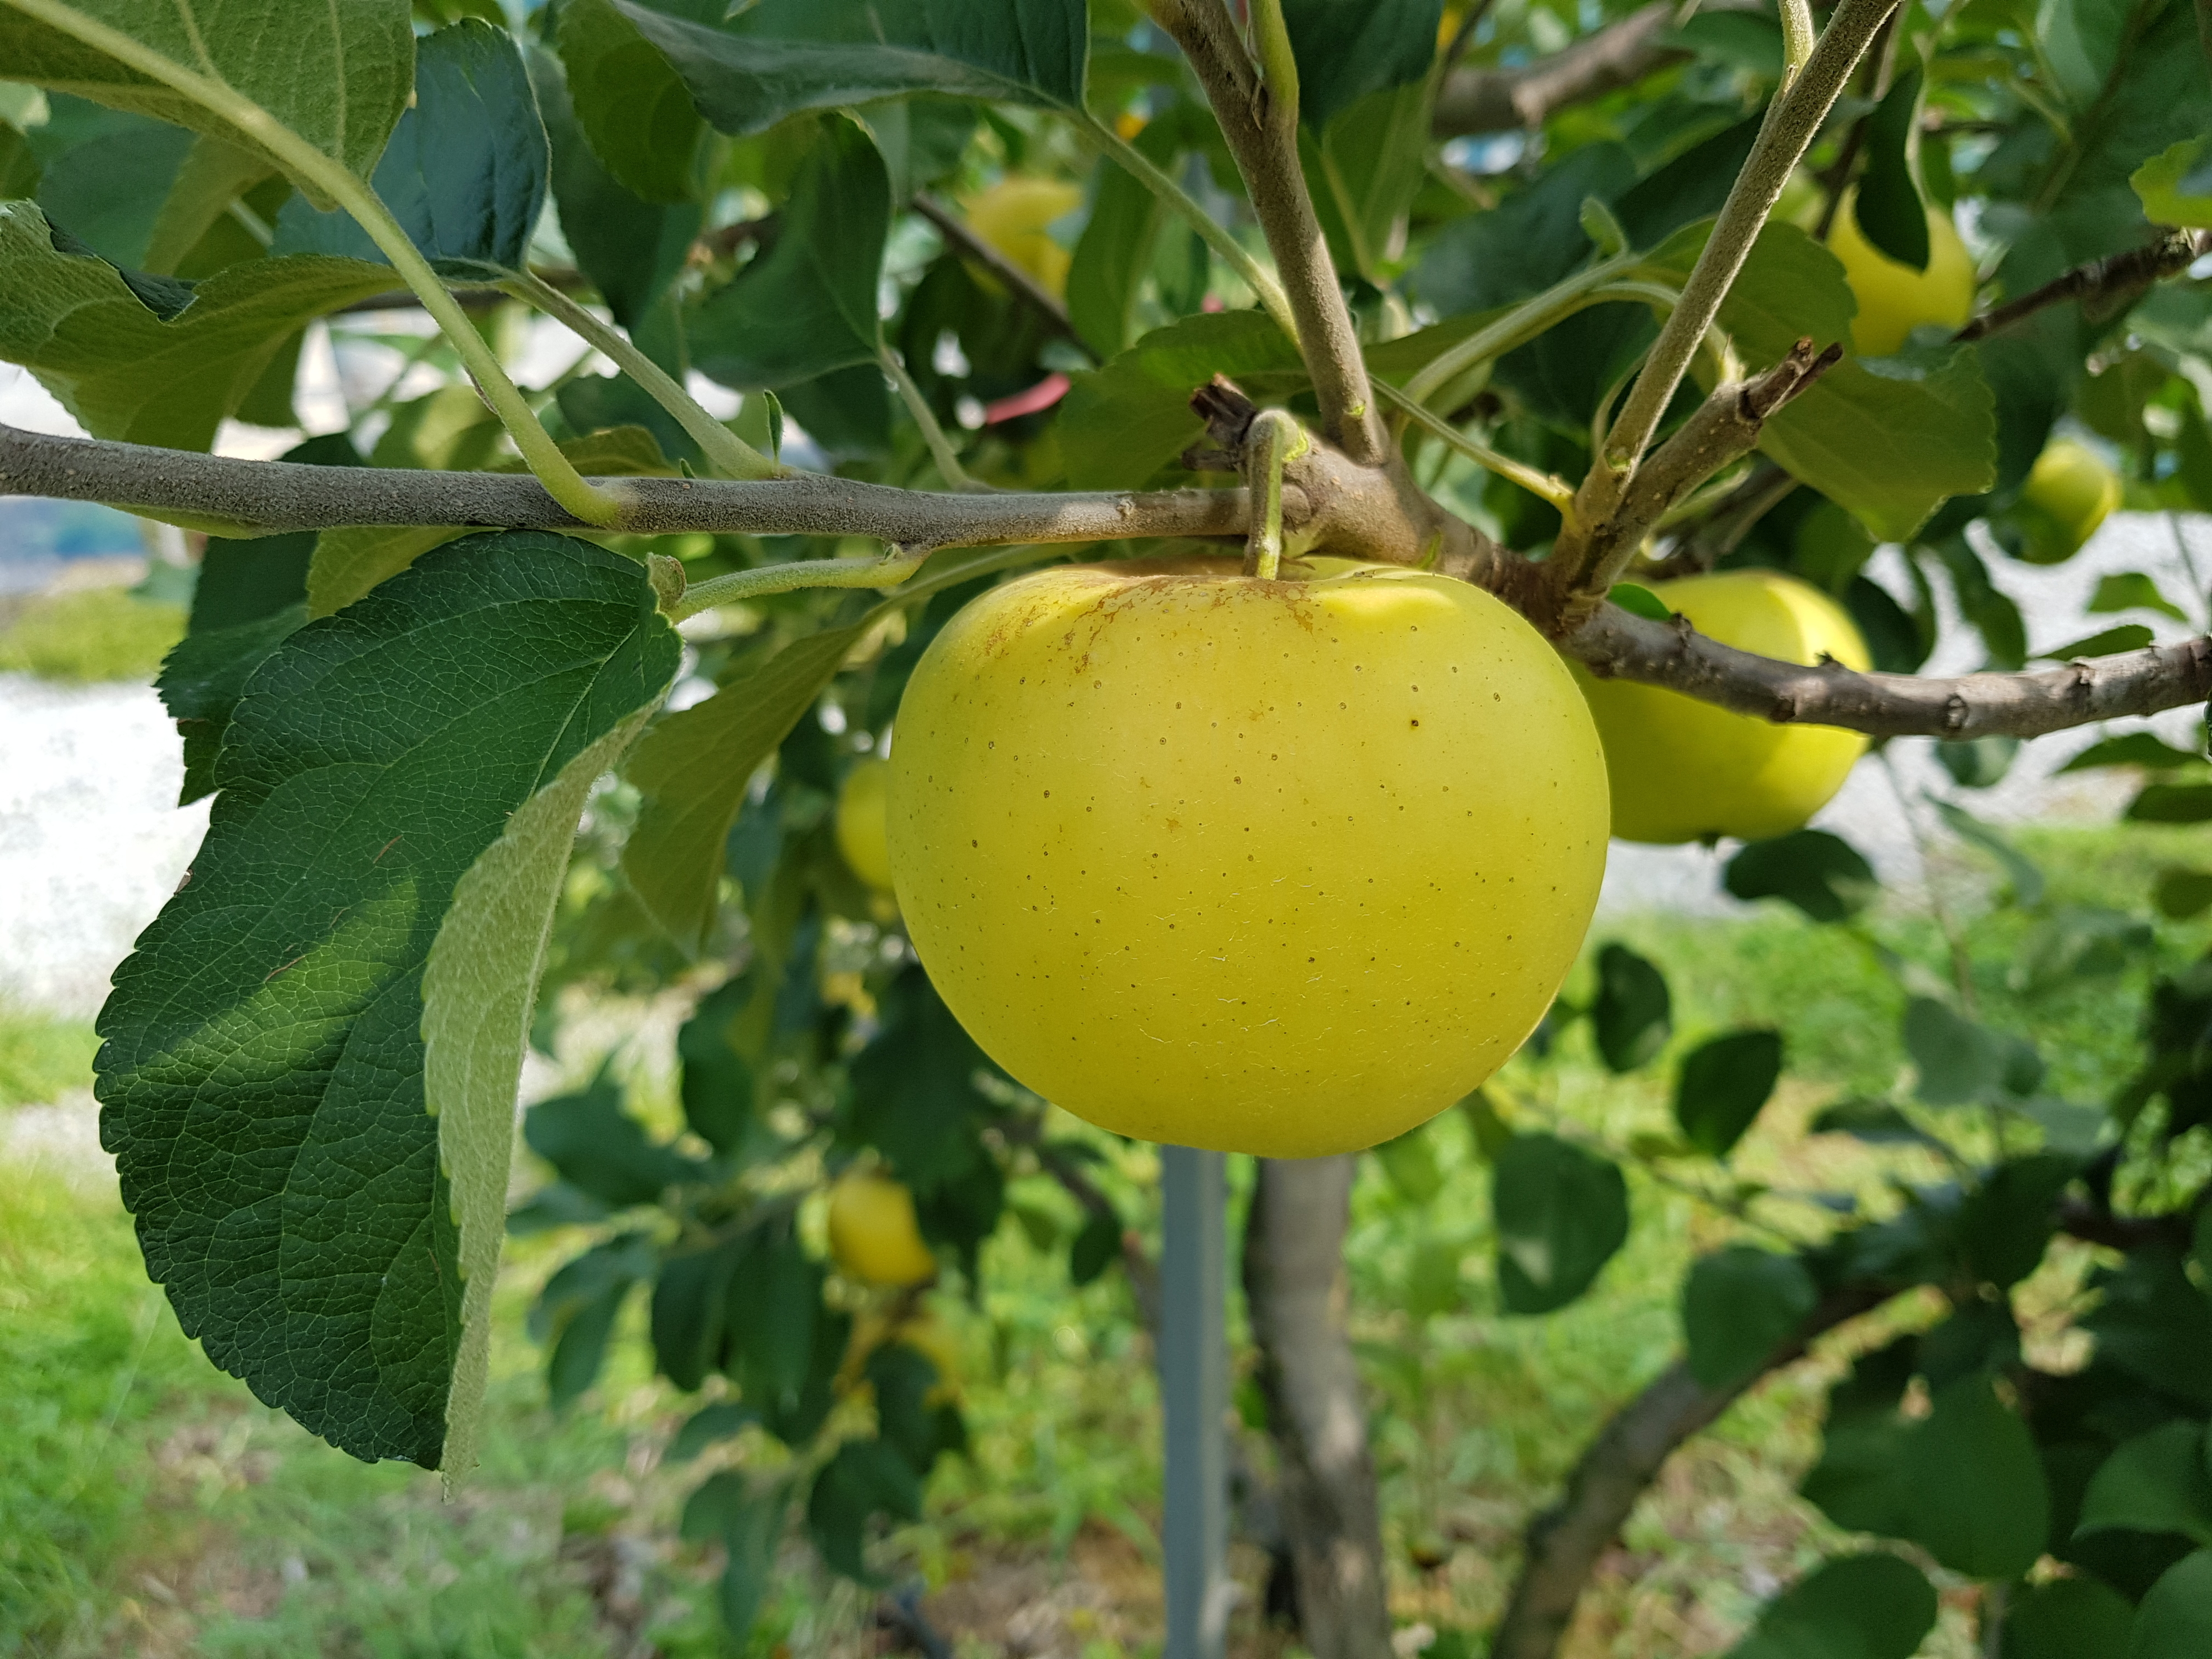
x=91 y=634
x=150 y=1505
x=42 y=1058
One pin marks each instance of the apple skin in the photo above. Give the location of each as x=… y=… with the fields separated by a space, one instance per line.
x=873 y=1233
x=1013 y=215
x=1893 y=298
x=1282 y=867
x=1686 y=771
x=862 y=837
x=2069 y=492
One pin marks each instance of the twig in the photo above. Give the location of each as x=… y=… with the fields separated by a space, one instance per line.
x=1463 y=36
x=754 y=584
x=2119 y=278
x=1023 y=287
x=1726 y=524
x=932 y=433
x=1474 y=100
x=1258 y=115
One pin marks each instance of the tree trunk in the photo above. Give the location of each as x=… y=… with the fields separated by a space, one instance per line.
x=1295 y=1288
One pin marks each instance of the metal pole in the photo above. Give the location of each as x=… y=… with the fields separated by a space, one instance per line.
x=1194 y=1396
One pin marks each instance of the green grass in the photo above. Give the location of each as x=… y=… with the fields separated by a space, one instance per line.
x=42 y=1058
x=94 y=634
x=150 y=1505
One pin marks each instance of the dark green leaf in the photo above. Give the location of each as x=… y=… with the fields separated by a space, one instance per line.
x=1096 y=1248
x=289 y=966
x=2175 y=1620
x=577 y=1310
x=108 y=192
x=915 y=1097
x=2171 y=803
x=708 y=1424
x=1859 y=1482
x=631 y=248
x=1122 y=422
x=1959 y=1062
x=2143 y=749
x=1888 y=206
x=2182 y=894
x=808 y=304
x=2067 y=1618
x=1529 y=241
x=1560 y=1213
x=718 y=1081
x=1979 y=762
x=1116 y=248
x=1857 y=1606
x=2128 y=637
x=2131 y=590
x=1823 y=875
x=1738 y=1307
x=1898 y=643
x=1723 y=1085
x=774 y=1300
x=802 y=57
x=2006 y=1222
x=2156 y=1482
x=903 y=1378
x=2155 y=1325
x=694 y=769
x=1347 y=51
x=599 y=1148
x=466 y=172
x=1875 y=1122
x=2074 y=944
x=629 y=102
x=204 y=677
x=1368 y=165
x=865 y=1479
x=1979 y=1501
x=690 y=1311
x=749 y=1525
x=1632 y=1016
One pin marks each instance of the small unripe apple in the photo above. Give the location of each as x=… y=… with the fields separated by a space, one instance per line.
x=1686 y=771
x=873 y=1233
x=862 y=836
x=1014 y=216
x=1282 y=867
x=1893 y=298
x=2068 y=493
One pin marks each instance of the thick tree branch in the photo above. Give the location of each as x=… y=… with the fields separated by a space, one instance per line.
x=1259 y=123
x=274 y=496
x=2102 y=284
x=1473 y=101
x=1675 y=655
x=1023 y=287
x=1564 y=1541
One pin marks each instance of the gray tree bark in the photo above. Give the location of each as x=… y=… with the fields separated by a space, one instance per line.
x=1296 y=1293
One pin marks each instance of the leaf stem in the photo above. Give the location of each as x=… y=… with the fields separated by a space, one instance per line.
x=1217 y=236
x=1275 y=439
x=1547 y=485
x=730 y=455
x=563 y=481
x=932 y=434
x=886 y=572
x=1517 y=326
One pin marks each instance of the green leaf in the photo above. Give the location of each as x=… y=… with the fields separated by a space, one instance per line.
x=2128 y=637
x=1560 y=1213
x=2131 y=590
x=2154 y=1324
x=914 y=1095
x=1345 y=52
x=1639 y=601
x=2005 y=1223
x=1115 y=249
x=1122 y=422
x=577 y=1310
x=694 y=769
x=1723 y=1085
x=805 y=57
x=865 y=1479
x=1858 y=1483
x=1877 y=1122
x=1857 y=1606
x=717 y=1086
x=630 y=101
x=202 y=678
x=631 y=248
x=706 y=1425
x=1823 y=875
x=1979 y=1501
x=2067 y=1618
x=690 y=1310
x=108 y=191
x=466 y=172
x=1633 y=1014
x=1738 y=1306
x=2181 y=894
x=2143 y=749
x=599 y=1148
x=125 y=371
x=1959 y=1062
x=774 y=1300
x=297 y=1213
x=2156 y=1482
x=1410 y=1161
x=2174 y=186
x=2026 y=877
x=1888 y=204
x=1095 y=1248
x=2174 y=1621
x=1368 y=166
x=283 y=58
x=2171 y=803
x=212 y=179
x=749 y=1525
x=808 y=306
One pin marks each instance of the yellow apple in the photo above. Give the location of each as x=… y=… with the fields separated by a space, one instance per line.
x=1893 y=298
x=1686 y=770
x=2068 y=493
x=860 y=833
x=1013 y=215
x=1282 y=867
x=873 y=1233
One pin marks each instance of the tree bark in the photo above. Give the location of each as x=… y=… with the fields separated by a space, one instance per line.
x=1294 y=1291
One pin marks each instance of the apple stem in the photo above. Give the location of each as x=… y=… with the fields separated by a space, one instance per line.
x=1274 y=439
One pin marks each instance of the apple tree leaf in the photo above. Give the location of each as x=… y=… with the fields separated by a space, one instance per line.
x=1867 y=1606
x=263 y=1079
x=629 y=101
